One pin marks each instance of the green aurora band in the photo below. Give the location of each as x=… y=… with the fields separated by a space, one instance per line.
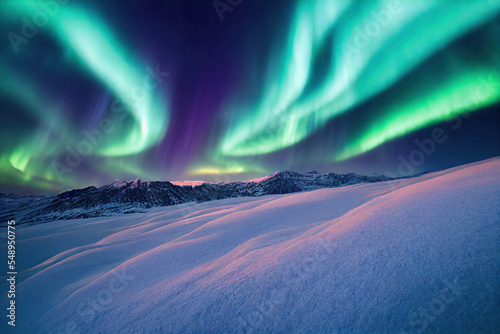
x=99 y=51
x=293 y=106
x=95 y=46
x=37 y=147
x=369 y=67
x=457 y=96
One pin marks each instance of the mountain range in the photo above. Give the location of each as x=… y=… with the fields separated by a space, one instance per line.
x=124 y=197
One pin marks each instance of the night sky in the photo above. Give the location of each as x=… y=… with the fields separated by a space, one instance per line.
x=95 y=91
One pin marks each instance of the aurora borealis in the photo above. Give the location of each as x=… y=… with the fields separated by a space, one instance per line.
x=96 y=91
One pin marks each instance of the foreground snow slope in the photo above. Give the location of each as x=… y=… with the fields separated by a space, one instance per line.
x=414 y=255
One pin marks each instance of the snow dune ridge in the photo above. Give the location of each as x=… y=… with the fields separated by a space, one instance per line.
x=411 y=255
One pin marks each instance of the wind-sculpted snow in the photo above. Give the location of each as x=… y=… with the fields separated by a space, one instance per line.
x=403 y=256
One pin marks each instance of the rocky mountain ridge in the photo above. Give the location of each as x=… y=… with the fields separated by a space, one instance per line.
x=122 y=197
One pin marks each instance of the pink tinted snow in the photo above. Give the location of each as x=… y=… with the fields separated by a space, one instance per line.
x=363 y=258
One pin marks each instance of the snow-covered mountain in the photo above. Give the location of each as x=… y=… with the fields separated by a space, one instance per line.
x=418 y=255
x=134 y=196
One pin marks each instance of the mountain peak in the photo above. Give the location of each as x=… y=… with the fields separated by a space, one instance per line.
x=117 y=199
x=136 y=183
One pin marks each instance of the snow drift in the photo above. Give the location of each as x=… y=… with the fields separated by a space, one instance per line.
x=413 y=255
